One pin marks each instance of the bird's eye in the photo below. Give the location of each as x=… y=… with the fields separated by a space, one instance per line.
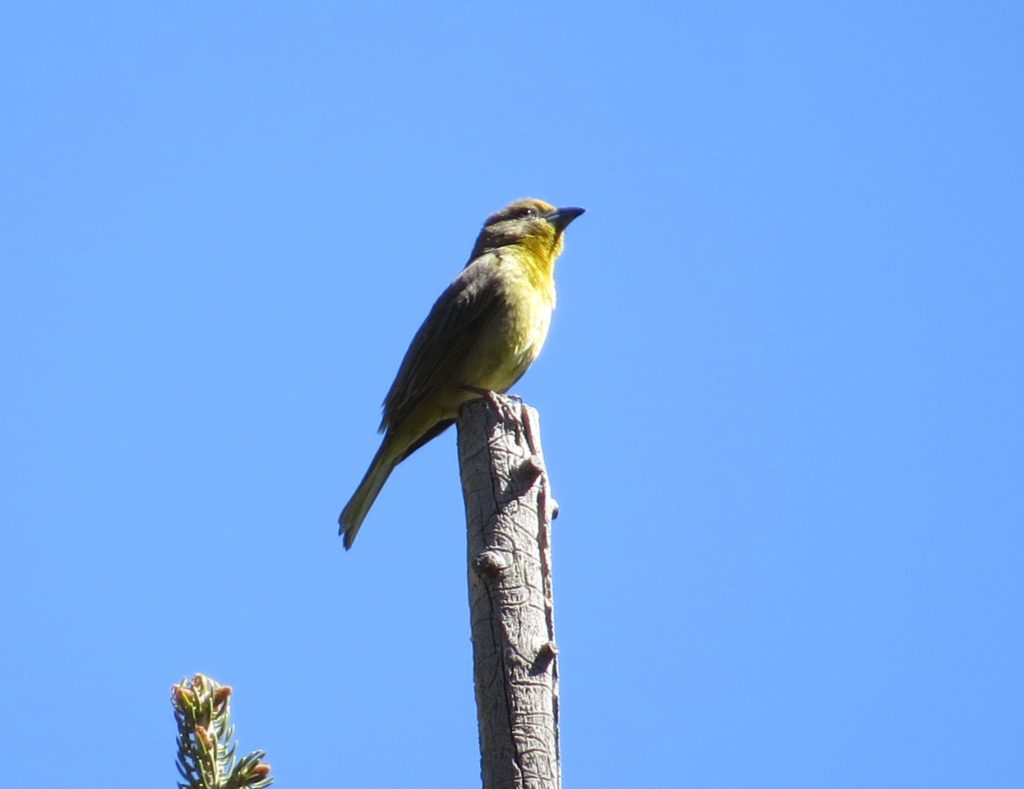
x=530 y=212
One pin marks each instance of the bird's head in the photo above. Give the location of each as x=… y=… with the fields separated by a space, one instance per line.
x=531 y=223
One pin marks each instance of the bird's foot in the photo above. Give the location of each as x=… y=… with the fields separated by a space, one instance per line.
x=494 y=399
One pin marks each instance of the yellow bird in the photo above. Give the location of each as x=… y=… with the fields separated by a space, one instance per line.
x=481 y=335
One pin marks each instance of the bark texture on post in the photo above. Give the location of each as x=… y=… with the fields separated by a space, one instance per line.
x=515 y=662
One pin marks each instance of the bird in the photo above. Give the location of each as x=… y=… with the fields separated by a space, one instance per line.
x=481 y=335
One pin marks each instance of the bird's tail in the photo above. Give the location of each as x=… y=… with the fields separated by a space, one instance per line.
x=377 y=474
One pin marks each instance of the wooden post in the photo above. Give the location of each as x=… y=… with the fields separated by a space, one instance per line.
x=509 y=510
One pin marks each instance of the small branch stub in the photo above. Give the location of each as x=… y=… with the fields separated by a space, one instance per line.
x=515 y=660
x=547 y=653
x=489 y=564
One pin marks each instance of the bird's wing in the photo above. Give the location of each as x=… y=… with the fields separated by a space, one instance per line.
x=442 y=342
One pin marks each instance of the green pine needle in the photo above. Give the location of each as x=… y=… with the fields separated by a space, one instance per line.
x=206 y=747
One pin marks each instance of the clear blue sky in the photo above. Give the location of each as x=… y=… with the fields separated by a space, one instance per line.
x=782 y=398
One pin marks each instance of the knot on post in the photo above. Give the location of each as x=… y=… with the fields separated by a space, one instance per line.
x=545 y=655
x=489 y=564
x=527 y=472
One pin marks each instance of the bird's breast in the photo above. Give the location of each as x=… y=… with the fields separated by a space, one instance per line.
x=520 y=327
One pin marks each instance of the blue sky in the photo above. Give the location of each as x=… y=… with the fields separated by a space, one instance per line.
x=781 y=398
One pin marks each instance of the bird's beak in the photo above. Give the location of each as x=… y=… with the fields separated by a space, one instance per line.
x=561 y=217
